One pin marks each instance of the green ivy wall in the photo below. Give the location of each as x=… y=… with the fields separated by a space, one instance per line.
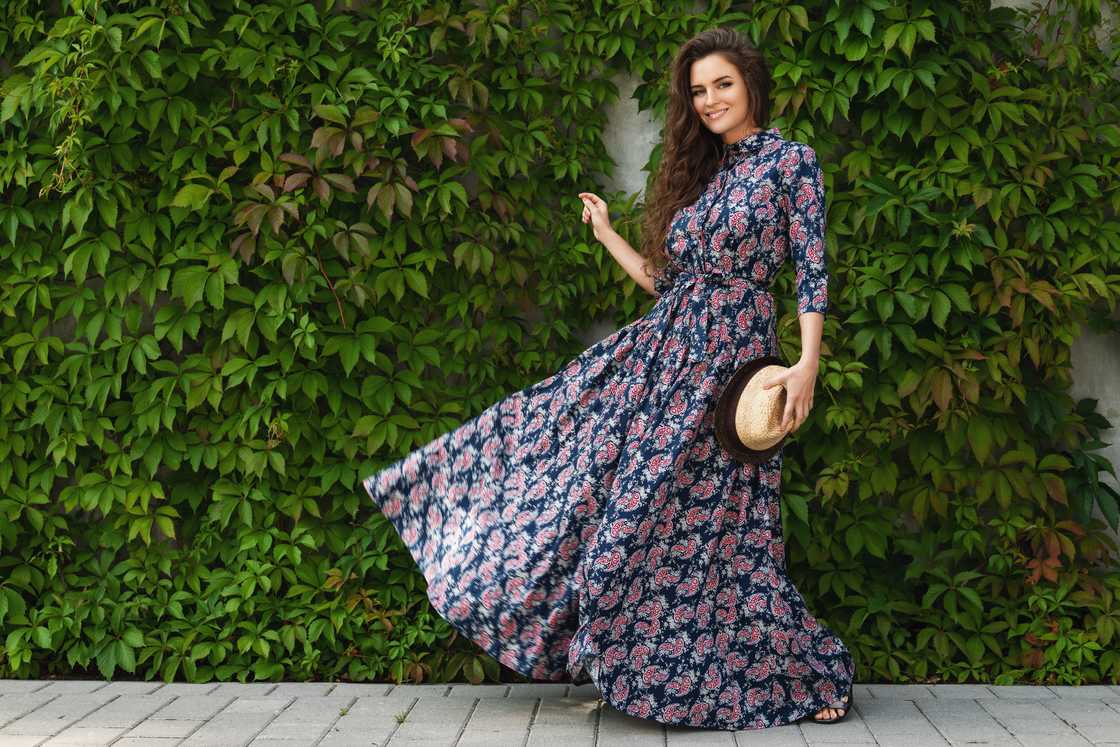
x=250 y=252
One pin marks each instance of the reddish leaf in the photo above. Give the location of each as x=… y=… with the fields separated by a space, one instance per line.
x=245 y=245
x=256 y=215
x=341 y=181
x=341 y=243
x=372 y=194
x=295 y=181
x=276 y=218
x=322 y=136
x=296 y=159
x=364 y=116
x=338 y=143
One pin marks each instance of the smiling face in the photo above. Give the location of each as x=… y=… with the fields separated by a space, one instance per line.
x=718 y=86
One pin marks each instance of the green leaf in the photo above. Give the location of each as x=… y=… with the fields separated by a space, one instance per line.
x=193 y=196
x=189 y=284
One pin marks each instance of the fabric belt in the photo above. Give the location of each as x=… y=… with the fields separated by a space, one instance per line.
x=698 y=333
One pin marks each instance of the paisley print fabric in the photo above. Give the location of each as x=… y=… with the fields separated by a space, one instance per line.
x=590 y=527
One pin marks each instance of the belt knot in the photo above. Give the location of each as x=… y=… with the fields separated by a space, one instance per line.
x=698 y=332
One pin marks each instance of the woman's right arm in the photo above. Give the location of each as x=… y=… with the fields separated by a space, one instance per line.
x=595 y=212
x=629 y=258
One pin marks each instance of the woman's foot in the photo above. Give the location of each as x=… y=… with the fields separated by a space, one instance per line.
x=830 y=714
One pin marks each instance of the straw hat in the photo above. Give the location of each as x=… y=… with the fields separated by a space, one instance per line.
x=748 y=418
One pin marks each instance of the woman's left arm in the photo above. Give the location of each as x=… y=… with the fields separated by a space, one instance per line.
x=807 y=224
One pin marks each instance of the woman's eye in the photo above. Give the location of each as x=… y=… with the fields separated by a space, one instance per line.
x=721 y=85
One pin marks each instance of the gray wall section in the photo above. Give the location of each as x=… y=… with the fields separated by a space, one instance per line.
x=631 y=135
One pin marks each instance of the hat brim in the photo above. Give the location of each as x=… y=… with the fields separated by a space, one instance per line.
x=724 y=416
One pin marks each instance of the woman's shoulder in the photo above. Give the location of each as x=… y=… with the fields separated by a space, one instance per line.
x=797 y=148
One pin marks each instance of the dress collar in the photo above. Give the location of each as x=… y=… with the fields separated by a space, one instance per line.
x=748 y=146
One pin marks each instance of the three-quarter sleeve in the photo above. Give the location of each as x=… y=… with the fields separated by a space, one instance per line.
x=807 y=225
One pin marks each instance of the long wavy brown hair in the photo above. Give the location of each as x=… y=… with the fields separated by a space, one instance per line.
x=690 y=151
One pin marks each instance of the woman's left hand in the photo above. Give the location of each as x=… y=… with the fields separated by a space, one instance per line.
x=800 y=380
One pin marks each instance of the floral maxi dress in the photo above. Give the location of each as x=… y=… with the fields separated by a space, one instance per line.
x=590 y=526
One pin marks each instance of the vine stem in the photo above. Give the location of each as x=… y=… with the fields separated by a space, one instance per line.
x=330 y=286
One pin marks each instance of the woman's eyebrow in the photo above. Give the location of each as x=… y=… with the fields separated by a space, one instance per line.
x=717 y=80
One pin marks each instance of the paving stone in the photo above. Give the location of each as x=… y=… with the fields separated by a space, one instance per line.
x=266 y=704
x=787 y=735
x=1053 y=740
x=963 y=720
x=478 y=691
x=624 y=739
x=588 y=690
x=1020 y=717
x=71 y=687
x=541 y=690
x=567 y=713
x=377 y=712
x=361 y=689
x=193 y=707
x=133 y=713
x=891 y=718
x=496 y=739
x=953 y=691
x=899 y=692
x=434 y=732
x=125 y=710
x=686 y=736
x=1022 y=692
x=228 y=729
x=129 y=688
x=862 y=692
x=308 y=733
x=307 y=718
x=244 y=690
x=162 y=728
x=437 y=710
x=1084 y=712
x=179 y=689
x=1099 y=734
x=910 y=740
x=15 y=706
x=417 y=691
x=79 y=735
x=52 y=717
x=22 y=740
x=559 y=736
x=498 y=721
x=297 y=689
x=16 y=687
x=851 y=730
x=347 y=740
x=309 y=707
x=618 y=728
x=1082 y=692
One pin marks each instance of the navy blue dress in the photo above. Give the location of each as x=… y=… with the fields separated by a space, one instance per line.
x=591 y=526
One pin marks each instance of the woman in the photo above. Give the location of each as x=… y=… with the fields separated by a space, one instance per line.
x=590 y=525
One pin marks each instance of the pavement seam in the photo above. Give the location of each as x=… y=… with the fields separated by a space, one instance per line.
x=353 y=700
x=467 y=720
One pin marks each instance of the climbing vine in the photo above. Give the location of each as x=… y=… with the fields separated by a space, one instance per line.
x=253 y=251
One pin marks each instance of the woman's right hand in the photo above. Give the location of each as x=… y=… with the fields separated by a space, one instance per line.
x=595 y=211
